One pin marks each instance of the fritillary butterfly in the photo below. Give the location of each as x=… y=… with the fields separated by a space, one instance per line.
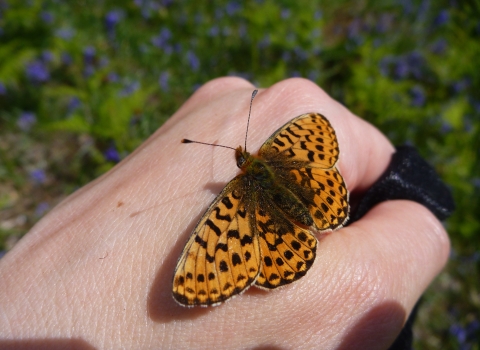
x=257 y=229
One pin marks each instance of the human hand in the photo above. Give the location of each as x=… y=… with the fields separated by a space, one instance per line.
x=97 y=270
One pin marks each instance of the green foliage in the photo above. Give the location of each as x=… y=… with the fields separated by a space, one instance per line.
x=82 y=84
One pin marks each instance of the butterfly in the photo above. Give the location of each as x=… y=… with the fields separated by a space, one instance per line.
x=257 y=230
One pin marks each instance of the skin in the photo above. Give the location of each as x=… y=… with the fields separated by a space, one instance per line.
x=96 y=272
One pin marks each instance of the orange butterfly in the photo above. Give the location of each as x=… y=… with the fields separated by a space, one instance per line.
x=257 y=229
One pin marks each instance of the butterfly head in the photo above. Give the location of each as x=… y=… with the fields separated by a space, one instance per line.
x=243 y=157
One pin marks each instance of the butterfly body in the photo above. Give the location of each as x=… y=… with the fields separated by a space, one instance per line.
x=257 y=231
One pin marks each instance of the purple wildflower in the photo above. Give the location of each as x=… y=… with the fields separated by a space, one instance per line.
x=232 y=8
x=355 y=28
x=65 y=33
x=459 y=332
x=73 y=104
x=442 y=18
x=417 y=95
x=439 y=47
x=3 y=89
x=401 y=69
x=193 y=61
x=285 y=13
x=113 y=77
x=88 y=71
x=38 y=176
x=26 y=121
x=47 y=17
x=163 y=81
x=89 y=54
x=47 y=56
x=214 y=31
x=446 y=127
x=41 y=209
x=112 y=18
x=37 y=72
x=385 y=22
x=162 y=40
x=129 y=89
x=67 y=59
x=265 y=42
x=461 y=85
x=111 y=154
x=385 y=64
x=415 y=63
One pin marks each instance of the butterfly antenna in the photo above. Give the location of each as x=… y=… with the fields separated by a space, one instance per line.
x=254 y=93
x=204 y=143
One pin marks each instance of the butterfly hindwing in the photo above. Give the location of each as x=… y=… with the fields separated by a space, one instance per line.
x=222 y=256
x=287 y=249
x=327 y=198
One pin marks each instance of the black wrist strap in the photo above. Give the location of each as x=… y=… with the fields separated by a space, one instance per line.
x=409 y=177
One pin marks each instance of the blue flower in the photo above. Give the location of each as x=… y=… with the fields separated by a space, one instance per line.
x=111 y=154
x=73 y=104
x=47 y=17
x=88 y=71
x=417 y=95
x=3 y=89
x=461 y=85
x=232 y=8
x=385 y=64
x=285 y=13
x=442 y=18
x=446 y=127
x=415 y=63
x=41 y=209
x=65 y=33
x=401 y=69
x=355 y=28
x=163 y=81
x=66 y=59
x=89 y=54
x=113 y=77
x=214 y=31
x=38 y=176
x=37 y=72
x=439 y=46
x=193 y=60
x=265 y=42
x=385 y=22
x=26 y=121
x=162 y=40
x=111 y=20
x=47 y=56
x=129 y=89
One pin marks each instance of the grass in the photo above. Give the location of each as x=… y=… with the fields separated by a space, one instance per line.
x=82 y=84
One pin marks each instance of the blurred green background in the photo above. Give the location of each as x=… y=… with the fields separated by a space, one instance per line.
x=83 y=83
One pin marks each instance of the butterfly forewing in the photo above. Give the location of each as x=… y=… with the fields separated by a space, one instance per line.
x=309 y=138
x=222 y=256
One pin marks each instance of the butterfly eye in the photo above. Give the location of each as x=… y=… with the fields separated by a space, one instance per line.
x=241 y=161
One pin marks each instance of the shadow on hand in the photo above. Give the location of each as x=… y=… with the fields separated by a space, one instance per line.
x=50 y=344
x=377 y=329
